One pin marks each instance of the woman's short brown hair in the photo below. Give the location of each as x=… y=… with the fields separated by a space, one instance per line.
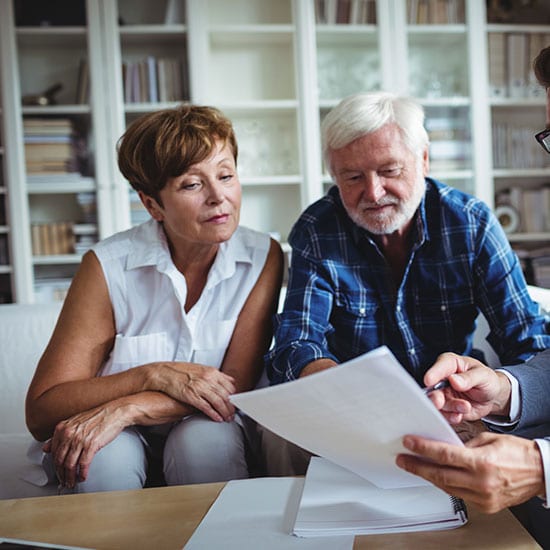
x=541 y=66
x=165 y=144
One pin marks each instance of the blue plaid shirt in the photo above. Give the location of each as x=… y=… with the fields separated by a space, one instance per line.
x=342 y=300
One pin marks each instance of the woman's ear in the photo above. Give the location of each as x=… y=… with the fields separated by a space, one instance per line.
x=152 y=206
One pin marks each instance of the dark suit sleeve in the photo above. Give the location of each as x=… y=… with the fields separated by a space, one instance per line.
x=534 y=383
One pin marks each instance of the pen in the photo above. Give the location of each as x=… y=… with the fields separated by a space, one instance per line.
x=439 y=386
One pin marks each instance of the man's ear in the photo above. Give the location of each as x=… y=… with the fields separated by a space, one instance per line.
x=426 y=161
x=152 y=206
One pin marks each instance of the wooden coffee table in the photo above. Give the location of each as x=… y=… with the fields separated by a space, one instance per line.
x=165 y=518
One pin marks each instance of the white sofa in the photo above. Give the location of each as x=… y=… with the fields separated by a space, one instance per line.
x=24 y=333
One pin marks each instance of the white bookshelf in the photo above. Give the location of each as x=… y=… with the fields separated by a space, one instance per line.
x=275 y=69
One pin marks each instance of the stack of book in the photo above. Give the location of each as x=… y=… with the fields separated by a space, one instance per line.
x=152 y=80
x=511 y=57
x=52 y=238
x=435 y=12
x=450 y=143
x=514 y=146
x=49 y=146
x=347 y=12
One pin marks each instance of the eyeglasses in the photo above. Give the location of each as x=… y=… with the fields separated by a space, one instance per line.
x=544 y=139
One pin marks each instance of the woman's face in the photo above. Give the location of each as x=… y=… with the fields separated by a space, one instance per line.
x=202 y=206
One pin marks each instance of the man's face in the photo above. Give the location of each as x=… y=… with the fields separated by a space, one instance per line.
x=381 y=181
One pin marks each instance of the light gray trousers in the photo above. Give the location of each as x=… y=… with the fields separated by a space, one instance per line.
x=195 y=450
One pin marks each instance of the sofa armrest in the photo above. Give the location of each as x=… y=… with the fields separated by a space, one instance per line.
x=25 y=330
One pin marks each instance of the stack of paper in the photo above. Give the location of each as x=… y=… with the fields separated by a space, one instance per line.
x=337 y=501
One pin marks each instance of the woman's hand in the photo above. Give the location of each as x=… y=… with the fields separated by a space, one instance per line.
x=76 y=441
x=205 y=388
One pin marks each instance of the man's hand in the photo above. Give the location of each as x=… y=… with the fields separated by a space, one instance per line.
x=492 y=471
x=475 y=390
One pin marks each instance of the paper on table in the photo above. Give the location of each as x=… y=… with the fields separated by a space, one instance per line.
x=354 y=414
x=258 y=513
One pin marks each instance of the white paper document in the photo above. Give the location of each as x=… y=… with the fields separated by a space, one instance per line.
x=354 y=414
x=337 y=501
x=259 y=513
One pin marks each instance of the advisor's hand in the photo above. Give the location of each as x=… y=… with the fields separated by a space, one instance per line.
x=493 y=471
x=475 y=390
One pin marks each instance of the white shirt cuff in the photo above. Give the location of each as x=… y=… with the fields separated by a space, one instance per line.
x=515 y=404
x=544 y=448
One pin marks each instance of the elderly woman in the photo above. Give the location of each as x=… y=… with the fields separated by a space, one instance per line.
x=162 y=322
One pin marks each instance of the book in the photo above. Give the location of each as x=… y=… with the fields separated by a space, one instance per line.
x=336 y=501
x=82 y=83
x=517 y=64
x=497 y=64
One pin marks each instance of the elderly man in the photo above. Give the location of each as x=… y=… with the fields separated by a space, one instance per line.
x=391 y=256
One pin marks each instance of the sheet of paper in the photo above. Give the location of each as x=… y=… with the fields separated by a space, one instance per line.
x=335 y=500
x=259 y=513
x=354 y=414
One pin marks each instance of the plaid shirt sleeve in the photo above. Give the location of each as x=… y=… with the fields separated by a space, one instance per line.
x=504 y=300
x=302 y=327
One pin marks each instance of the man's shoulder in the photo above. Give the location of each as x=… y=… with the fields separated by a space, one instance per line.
x=321 y=224
x=455 y=201
x=323 y=209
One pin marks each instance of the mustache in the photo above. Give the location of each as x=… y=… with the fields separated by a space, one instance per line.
x=385 y=201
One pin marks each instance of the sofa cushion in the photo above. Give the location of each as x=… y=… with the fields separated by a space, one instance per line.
x=24 y=331
x=14 y=465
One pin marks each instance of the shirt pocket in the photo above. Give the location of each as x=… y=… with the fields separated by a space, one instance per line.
x=132 y=351
x=448 y=323
x=354 y=308
x=211 y=343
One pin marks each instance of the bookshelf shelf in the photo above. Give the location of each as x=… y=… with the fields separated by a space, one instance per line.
x=152 y=31
x=529 y=237
x=60 y=188
x=58 y=259
x=51 y=110
x=270 y=180
x=437 y=30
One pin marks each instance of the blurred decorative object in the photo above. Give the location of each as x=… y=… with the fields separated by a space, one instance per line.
x=508 y=217
x=518 y=11
x=47 y=97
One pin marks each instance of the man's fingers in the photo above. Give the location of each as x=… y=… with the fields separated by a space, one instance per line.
x=442 y=453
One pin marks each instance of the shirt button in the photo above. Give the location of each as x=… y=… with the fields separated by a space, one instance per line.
x=398 y=308
x=412 y=351
x=362 y=311
x=443 y=308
